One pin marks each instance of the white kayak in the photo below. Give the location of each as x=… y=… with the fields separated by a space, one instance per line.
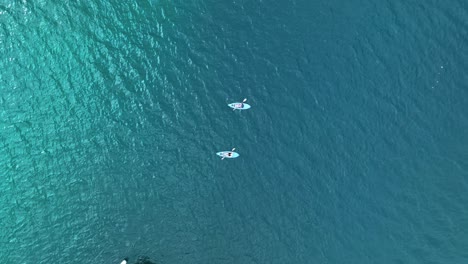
x=228 y=154
x=239 y=106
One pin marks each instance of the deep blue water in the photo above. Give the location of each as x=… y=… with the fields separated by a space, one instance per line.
x=355 y=149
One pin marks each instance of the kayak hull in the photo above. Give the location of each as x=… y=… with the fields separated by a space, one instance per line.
x=245 y=107
x=222 y=154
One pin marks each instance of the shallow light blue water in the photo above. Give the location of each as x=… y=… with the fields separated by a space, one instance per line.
x=354 y=151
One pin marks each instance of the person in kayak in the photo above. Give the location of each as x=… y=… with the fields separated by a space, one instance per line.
x=140 y=260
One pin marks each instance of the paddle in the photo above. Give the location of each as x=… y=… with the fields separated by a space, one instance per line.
x=231 y=151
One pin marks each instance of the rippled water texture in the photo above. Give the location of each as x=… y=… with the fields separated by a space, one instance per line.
x=354 y=150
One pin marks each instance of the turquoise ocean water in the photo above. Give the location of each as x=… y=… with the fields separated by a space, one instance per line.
x=355 y=149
